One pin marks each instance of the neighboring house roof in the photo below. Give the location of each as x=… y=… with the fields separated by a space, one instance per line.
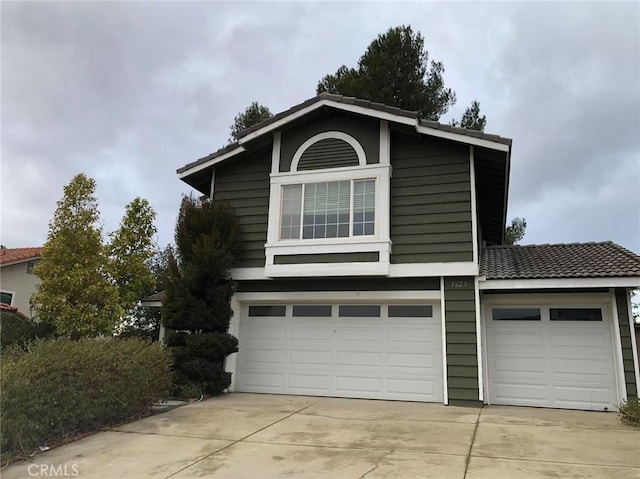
x=572 y=260
x=155 y=297
x=18 y=255
x=411 y=118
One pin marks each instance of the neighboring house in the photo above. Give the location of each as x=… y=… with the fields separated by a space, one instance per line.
x=373 y=266
x=17 y=281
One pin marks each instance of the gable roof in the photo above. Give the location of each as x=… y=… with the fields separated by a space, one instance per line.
x=572 y=260
x=356 y=105
x=18 y=255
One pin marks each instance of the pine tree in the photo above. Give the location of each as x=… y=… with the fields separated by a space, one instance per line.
x=199 y=291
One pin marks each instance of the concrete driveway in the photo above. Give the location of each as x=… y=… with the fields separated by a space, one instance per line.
x=263 y=436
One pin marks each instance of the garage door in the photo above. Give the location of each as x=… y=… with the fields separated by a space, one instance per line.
x=375 y=351
x=553 y=357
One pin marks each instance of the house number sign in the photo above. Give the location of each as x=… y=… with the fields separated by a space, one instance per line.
x=458 y=284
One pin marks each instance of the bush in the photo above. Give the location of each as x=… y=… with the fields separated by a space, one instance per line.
x=630 y=412
x=18 y=329
x=58 y=388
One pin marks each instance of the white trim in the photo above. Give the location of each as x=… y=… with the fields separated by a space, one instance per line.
x=559 y=283
x=617 y=349
x=213 y=183
x=275 y=153
x=325 y=135
x=231 y=361
x=470 y=140
x=474 y=206
x=445 y=382
x=8 y=291
x=330 y=245
x=487 y=394
x=634 y=345
x=336 y=296
x=327 y=269
x=546 y=299
x=461 y=268
x=342 y=173
x=211 y=162
x=241 y=274
x=479 y=341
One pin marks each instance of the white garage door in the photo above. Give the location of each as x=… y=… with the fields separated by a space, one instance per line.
x=363 y=351
x=553 y=357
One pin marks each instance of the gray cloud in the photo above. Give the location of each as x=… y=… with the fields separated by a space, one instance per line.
x=128 y=92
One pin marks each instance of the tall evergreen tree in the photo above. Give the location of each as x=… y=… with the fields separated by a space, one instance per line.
x=252 y=115
x=395 y=70
x=198 y=294
x=471 y=119
x=515 y=231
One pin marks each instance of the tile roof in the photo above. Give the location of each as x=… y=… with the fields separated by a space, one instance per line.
x=572 y=260
x=349 y=101
x=15 y=255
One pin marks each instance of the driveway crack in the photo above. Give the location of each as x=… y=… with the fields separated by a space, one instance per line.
x=376 y=465
x=473 y=440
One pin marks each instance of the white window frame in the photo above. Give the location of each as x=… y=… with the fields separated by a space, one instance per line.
x=12 y=293
x=379 y=242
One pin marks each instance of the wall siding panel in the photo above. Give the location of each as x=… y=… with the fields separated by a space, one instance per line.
x=625 y=339
x=430 y=201
x=244 y=184
x=462 y=359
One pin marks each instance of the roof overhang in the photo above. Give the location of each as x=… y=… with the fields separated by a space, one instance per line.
x=558 y=283
x=270 y=127
x=24 y=260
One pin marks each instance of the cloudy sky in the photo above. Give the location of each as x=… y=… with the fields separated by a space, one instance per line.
x=127 y=92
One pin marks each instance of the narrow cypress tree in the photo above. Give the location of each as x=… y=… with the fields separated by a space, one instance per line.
x=199 y=290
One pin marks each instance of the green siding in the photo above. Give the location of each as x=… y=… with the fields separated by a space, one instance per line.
x=462 y=358
x=329 y=153
x=430 y=201
x=365 y=130
x=326 y=258
x=625 y=340
x=339 y=284
x=244 y=184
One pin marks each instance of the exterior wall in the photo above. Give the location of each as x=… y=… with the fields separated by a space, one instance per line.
x=625 y=340
x=430 y=201
x=462 y=358
x=365 y=130
x=244 y=184
x=14 y=278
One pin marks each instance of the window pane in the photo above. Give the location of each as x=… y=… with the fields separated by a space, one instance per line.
x=575 y=314
x=516 y=314
x=267 y=310
x=364 y=207
x=360 y=311
x=423 y=311
x=291 y=206
x=317 y=310
x=326 y=209
x=6 y=298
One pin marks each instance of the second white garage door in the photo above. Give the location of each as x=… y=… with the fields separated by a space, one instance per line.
x=363 y=351
x=560 y=357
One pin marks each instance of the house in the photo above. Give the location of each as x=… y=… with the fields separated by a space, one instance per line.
x=17 y=281
x=373 y=266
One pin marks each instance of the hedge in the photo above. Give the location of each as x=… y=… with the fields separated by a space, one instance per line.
x=19 y=329
x=59 y=388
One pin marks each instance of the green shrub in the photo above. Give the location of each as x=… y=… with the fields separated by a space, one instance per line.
x=630 y=412
x=59 y=388
x=19 y=329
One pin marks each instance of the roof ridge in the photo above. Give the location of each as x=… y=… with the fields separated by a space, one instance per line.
x=538 y=245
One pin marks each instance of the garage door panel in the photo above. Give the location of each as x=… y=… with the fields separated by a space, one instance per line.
x=585 y=396
x=378 y=358
x=520 y=393
x=518 y=365
x=514 y=337
x=312 y=358
x=308 y=383
x=596 y=369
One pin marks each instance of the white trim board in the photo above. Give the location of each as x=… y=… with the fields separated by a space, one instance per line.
x=351 y=296
x=445 y=380
x=617 y=348
x=485 y=284
x=325 y=135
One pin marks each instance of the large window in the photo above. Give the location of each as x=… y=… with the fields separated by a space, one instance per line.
x=331 y=209
x=6 y=297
